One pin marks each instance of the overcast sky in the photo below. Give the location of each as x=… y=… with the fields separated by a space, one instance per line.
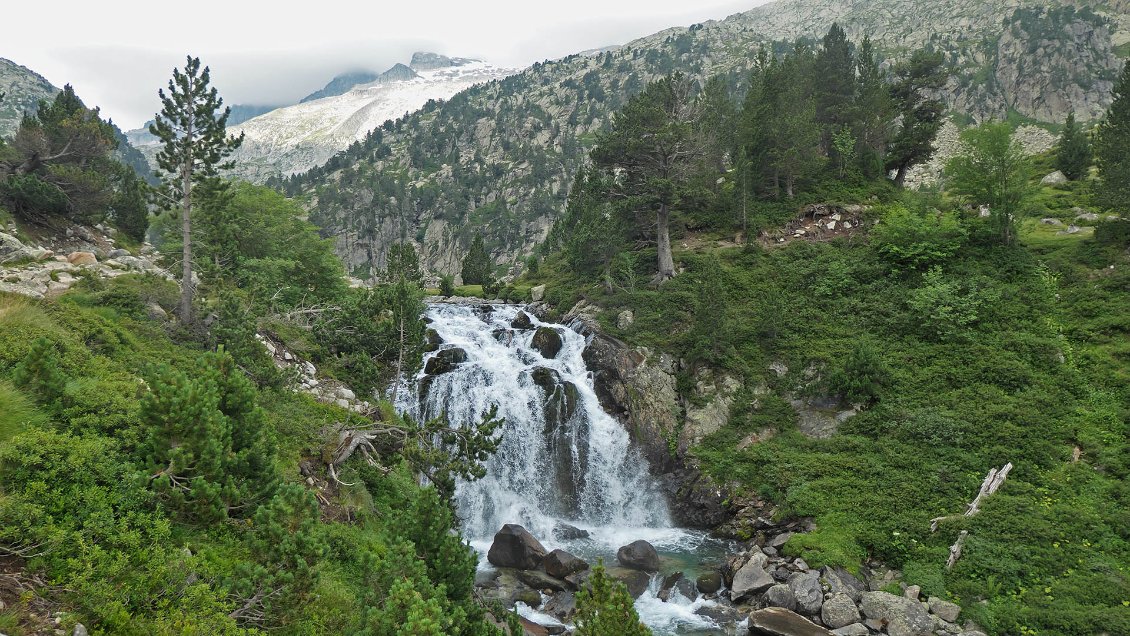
x=118 y=53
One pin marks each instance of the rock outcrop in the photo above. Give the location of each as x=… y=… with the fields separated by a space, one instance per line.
x=515 y=547
x=639 y=555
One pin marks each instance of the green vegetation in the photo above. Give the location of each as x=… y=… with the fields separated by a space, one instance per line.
x=477 y=266
x=968 y=341
x=1073 y=153
x=604 y=608
x=1112 y=149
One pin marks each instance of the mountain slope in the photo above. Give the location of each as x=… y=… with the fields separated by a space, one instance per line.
x=499 y=158
x=305 y=135
x=22 y=89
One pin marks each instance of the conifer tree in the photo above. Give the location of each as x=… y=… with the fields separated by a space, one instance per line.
x=604 y=608
x=1112 y=149
x=194 y=145
x=476 y=264
x=40 y=374
x=915 y=80
x=834 y=85
x=1073 y=153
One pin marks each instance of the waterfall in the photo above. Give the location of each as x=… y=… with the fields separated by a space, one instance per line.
x=561 y=457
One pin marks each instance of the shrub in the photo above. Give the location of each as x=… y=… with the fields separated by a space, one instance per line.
x=446 y=285
x=910 y=241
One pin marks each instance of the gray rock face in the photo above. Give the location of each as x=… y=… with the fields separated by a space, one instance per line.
x=561 y=564
x=839 y=611
x=903 y=616
x=855 y=629
x=639 y=555
x=11 y=249
x=780 y=595
x=515 y=547
x=1055 y=178
x=944 y=610
x=777 y=621
x=840 y=581
x=547 y=342
x=809 y=594
x=751 y=578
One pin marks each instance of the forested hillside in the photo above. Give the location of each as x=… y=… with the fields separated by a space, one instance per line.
x=500 y=158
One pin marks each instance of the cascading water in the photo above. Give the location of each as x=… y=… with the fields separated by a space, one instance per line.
x=561 y=460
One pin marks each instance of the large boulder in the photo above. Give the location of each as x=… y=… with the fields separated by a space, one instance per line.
x=1055 y=178
x=809 y=594
x=547 y=342
x=561 y=564
x=566 y=532
x=780 y=595
x=11 y=249
x=709 y=583
x=840 y=581
x=944 y=610
x=522 y=321
x=778 y=621
x=839 y=611
x=432 y=340
x=515 y=547
x=668 y=586
x=751 y=578
x=82 y=258
x=639 y=555
x=561 y=606
x=537 y=293
x=541 y=581
x=445 y=360
x=903 y=616
x=636 y=581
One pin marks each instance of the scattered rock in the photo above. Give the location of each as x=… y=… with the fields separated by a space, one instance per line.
x=515 y=547
x=80 y=630
x=445 y=360
x=522 y=321
x=639 y=555
x=721 y=614
x=537 y=293
x=625 y=319
x=1055 y=178
x=709 y=583
x=751 y=578
x=541 y=581
x=547 y=342
x=777 y=621
x=855 y=629
x=780 y=540
x=944 y=610
x=903 y=616
x=912 y=592
x=566 y=532
x=346 y=394
x=839 y=611
x=1087 y=216
x=840 y=581
x=1051 y=221
x=780 y=595
x=809 y=594
x=561 y=564
x=82 y=258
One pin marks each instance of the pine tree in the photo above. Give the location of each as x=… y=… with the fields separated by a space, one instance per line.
x=477 y=265
x=794 y=135
x=1112 y=149
x=194 y=144
x=40 y=374
x=834 y=85
x=604 y=608
x=915 y=80
x=1073 y=154
x=873 y=111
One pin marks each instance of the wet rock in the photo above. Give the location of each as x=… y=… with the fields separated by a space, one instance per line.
x=515 y=547
x=539 y=580
x=839 y=611
x=840 y=581
x=809 y=594
x=639 y=555
x=751 y=578
x=561 y=606
x=903 y=616
x=522 y=321
x=709 y=583
x=445 y=360
x=636 y=581
x=561 y=564
x=432 y=340
x=566 y=532
x=668 y=586
x=720 y=614
x=780 y=595
x=777 y=621
x=547 y=342
x=944 y=610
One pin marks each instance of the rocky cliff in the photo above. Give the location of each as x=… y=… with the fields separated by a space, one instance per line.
x=499 y=158
x=22 y=89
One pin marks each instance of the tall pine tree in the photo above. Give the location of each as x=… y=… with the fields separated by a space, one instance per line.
x=194 y=146
x=1073 y=154
x=1112 y=149
x=915 y=80
x=476 y=264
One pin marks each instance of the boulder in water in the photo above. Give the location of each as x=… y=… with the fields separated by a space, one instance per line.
x=515 y=547
x=635 y=580
x=561 y=606
x=445 y=360
x=541 y=581
x=432 y=341
x=522 y=321
x=547 y=342
x=709 y=583
x=778 y=621
x=639 y=555
x=668 y=586
x=561 y=564
x=566 y=532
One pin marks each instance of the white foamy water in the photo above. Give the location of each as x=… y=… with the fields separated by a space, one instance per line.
x=555 y=464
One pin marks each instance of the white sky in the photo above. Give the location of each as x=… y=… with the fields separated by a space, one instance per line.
x=118 y=53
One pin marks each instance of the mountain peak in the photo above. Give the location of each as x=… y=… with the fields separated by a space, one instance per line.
x=426 y=61
x=398 y=73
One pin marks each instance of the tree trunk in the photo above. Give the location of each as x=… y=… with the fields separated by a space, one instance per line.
x=663 y=239
x=186 y=284
x=789 y=181
x=900 y=176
